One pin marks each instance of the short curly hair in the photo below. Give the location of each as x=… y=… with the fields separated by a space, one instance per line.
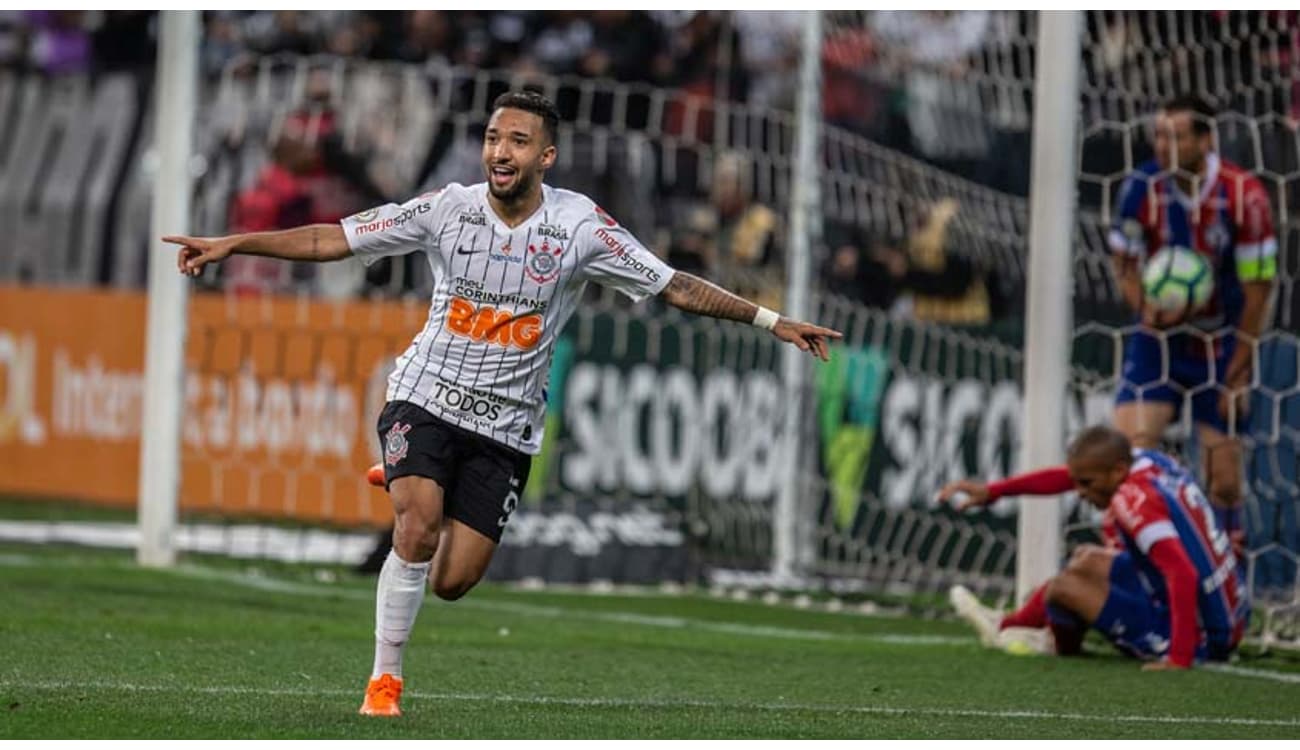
x=531 y=101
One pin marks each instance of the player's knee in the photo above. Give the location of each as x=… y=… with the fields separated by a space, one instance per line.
x=1090 y=562
x=1226 y=492
x=1063 y=590
x=1081 y=554
x=450 y=589
x=415 y=538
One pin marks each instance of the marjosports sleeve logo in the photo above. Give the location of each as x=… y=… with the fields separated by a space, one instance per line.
x=366 y=220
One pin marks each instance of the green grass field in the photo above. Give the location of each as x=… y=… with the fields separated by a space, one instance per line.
x=97 y=648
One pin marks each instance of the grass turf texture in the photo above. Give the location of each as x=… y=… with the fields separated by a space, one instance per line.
x=95 y=647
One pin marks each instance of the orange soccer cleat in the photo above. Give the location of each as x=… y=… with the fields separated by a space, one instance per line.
x=375 y=475
x=383 y=695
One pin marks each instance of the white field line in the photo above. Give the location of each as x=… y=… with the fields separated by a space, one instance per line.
x=653 y=703
x=1292 y=678
x=264 y=583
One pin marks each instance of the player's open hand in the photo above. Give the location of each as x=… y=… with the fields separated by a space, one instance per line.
x=964 y=493
x=197 y=252
x=810 y=338
x=1164 y=665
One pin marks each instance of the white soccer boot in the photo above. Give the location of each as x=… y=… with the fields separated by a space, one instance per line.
x=984 y=619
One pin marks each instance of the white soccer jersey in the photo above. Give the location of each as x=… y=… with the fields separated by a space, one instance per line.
x=500 y=298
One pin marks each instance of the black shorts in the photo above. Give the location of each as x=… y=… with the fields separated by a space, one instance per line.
x=482 y=480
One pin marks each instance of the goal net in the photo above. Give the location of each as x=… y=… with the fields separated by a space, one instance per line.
x=962 y=105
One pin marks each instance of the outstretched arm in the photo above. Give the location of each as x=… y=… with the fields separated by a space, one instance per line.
x=316 y=242
x=695 y=295
x=1050 y=481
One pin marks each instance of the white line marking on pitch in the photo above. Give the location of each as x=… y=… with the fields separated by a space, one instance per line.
x=264 y=583
x=541 y=700
x=1288 y=677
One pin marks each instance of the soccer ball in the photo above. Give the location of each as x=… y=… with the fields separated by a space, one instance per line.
x=1177 y=279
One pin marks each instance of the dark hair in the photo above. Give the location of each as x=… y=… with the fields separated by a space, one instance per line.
x=1103 y=441
x=1202 y=111
x=531 y=101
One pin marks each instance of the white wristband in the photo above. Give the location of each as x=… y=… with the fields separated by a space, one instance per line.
x=765 y=318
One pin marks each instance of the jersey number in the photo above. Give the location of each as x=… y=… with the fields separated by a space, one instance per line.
x=1194 y=498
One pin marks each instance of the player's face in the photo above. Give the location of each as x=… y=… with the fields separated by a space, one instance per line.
x=1177 y=145
x=1096 y=480
x=516 y=153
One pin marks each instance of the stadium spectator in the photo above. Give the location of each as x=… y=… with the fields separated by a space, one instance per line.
x=769 y=49
x=560 y=42
x=693 y=247
x=930 y=49
x=950 y=292
x=748 y=241
x=1168 y=591
x=309 y=179
x=125 y=40
x=627 y=45
x=60 y=42
x=429 y=35
x=878 y=273
x=1189 y=196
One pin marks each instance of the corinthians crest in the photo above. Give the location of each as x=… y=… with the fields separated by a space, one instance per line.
x=395 y=444
x=544 y=262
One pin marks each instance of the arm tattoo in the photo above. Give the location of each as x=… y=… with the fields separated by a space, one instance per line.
x=695 y=295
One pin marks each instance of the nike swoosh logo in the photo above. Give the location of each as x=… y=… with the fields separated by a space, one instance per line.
x=463 y=251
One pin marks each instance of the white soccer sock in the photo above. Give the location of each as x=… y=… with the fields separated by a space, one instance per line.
x=397 y=600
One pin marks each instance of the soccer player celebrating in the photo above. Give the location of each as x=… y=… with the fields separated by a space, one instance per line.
x=1165 y=589
x=510 y=259
x=1188 y=196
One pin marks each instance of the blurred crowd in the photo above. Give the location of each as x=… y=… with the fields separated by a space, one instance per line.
x=903 y=79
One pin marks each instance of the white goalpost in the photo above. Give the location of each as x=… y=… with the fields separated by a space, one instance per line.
x=791 y=532
x=1050 y=286
x=160 y=444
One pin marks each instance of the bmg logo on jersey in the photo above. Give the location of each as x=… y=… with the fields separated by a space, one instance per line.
x=489 y=325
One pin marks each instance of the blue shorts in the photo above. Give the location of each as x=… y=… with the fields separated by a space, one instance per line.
x=1136 y=616
x=1193 y=370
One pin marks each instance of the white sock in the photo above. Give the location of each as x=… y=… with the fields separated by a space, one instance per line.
x=397 y=600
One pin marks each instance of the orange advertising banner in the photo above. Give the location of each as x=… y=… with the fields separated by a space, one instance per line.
x=280 y=400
